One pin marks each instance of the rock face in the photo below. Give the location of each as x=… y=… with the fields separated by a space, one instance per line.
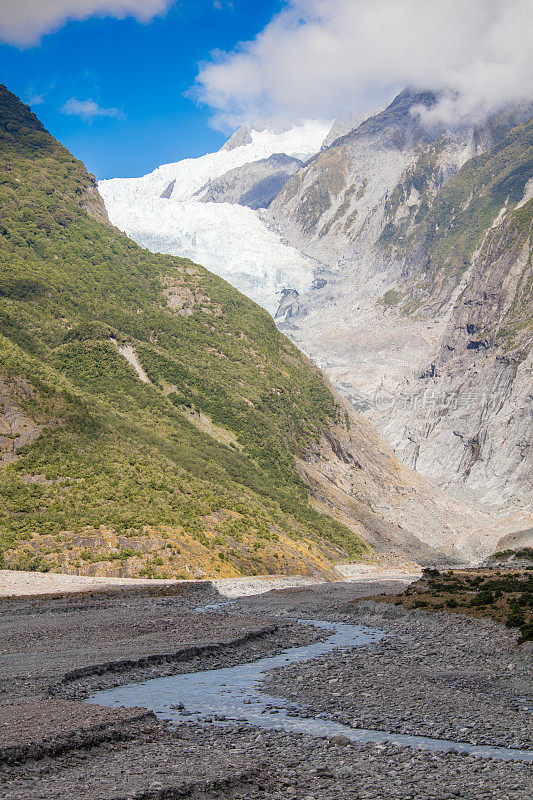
x=421 y=307
x=342 y=126
x=335 y=205
x=356 y=478
x=473 y=427
x=241 y=137
x=93 y=203
x=17 y=430
x=254 y=185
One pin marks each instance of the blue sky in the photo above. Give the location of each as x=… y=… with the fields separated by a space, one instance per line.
x=250 y=59
x=139 y=72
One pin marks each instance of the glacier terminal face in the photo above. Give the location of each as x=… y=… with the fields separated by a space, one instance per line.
x=164 y=212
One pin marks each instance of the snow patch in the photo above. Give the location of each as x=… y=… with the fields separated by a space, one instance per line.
x=499 y=219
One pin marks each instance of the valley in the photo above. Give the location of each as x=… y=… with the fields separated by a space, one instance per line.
x=212 y=584
x=416 y=279
x=266 y=400
x=407 y=704
x=155 y=423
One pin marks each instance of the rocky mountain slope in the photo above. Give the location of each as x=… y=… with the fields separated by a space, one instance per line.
x=254 y=185
x=473 y=427
x=155 y=422
x=421 y=312
x=372 y=250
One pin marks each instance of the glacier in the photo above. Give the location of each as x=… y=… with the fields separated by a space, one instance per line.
x=230 y=240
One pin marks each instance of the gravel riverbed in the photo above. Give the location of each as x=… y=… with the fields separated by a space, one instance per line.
x=435 y=675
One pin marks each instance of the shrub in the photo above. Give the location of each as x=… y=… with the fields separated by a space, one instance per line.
x=526 y=633
x=515 y=619
x=483 y=598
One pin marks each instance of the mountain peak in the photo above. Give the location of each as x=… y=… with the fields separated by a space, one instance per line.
x=300 y=138
x=276 y=125
x=241 y=137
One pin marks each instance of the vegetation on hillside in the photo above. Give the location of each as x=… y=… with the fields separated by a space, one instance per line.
x=449 y=222
x=504 y=595
x=117 y=454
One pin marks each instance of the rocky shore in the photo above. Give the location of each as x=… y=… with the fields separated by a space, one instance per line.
x=201 y=763
x=71 y=646
x=437 y=675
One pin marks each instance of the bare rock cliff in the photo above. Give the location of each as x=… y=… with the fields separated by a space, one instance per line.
x=357 y=479
x=421 y=308
x=473 y=427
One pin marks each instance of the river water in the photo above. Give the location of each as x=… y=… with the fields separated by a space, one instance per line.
x=234 y=693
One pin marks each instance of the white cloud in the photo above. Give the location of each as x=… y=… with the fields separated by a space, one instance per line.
x=323 y=57
x=88 y=110
x=33 y=98
x=23 y=22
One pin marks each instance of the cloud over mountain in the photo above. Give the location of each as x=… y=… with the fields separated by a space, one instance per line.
x=23 y=22
x=320 y=57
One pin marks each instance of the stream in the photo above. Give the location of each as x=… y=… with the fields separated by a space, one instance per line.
x=218 y=696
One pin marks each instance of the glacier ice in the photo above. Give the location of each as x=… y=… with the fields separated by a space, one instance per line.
x=230 y=240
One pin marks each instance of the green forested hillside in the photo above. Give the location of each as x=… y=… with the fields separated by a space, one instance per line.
x=195 y=466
